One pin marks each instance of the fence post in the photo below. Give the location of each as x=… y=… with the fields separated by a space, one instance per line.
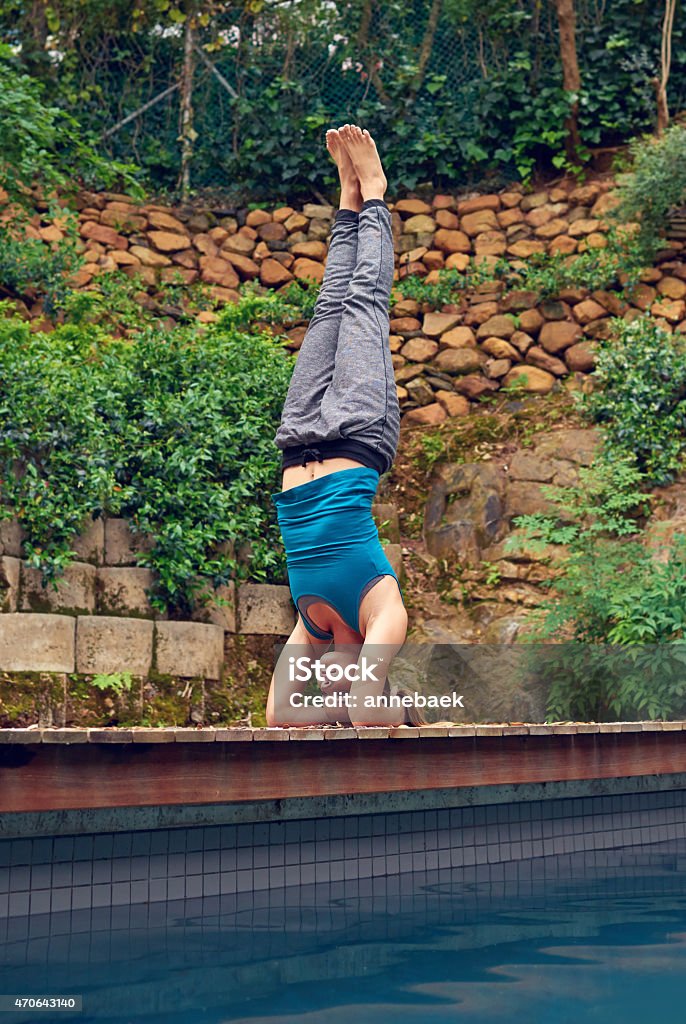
x=187 y=135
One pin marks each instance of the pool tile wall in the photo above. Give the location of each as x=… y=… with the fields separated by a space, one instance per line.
x=489 y=842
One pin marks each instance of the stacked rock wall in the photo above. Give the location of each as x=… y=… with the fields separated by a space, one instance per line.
x=443 y=359
x=99 y=620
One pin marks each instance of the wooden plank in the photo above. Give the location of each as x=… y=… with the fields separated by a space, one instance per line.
x=55 y=776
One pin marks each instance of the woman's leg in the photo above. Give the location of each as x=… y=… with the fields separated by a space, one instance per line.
x=316 y=359
x=361 y=400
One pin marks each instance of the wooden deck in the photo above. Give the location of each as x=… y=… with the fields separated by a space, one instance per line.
x=61 y=769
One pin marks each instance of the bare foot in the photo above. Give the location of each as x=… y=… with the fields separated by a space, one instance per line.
x=351 y=197
x=365 y=159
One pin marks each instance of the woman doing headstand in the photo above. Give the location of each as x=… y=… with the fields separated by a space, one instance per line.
x=339 y=431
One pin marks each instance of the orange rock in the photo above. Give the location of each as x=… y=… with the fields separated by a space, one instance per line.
x=419 y=350
x=218 y=235
x=123 y=220
x=404 y=324
x=148 y=274
x=436 y=324
x=563 y=244
x=101 y=233
x=500 y=349
x=214 y=270
x=454 y=405
x=239 y=243
x=442 y=202
x=412 y=207
x=433 y=259
x=537 y=356
x=457 y=261
x=165 y=222
x=282 y=214
x=186 y=258
x=581 y=357
x=205 y=244
x=557 y=335
x=451 y=241
x=526 y=247
x=255 y=218
x=51 y=233
x=148 y=257
x=313 y=250
x=490 y=243
x=532 y=379
x=481 y=220
x=286 y=259
x=168 y=241
x=124 y=258
x=428 y=416
x=296 y=222
x=171 y=275
x=272 y=232
x=224 y=294
x=304 y=268
x=246 y=268
x=447 y=219
x=585 y=312
x=458 y=337
x=273 y=274
x=478 y=203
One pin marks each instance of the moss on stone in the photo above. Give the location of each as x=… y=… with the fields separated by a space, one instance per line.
x=31 y=698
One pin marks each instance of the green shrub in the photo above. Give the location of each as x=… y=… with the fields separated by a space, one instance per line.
x=616 y=615
x=638 y=396
x=28 y=264
x=44 y=145
x=173 y=430
x=655 y=182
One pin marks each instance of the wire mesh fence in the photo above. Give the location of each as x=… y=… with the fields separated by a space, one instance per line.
x=269 y=78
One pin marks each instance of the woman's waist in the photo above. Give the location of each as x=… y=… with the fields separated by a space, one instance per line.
x=328 y=551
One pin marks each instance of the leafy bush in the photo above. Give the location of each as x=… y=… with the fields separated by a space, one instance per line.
x=172 y=430
x=639 y=396
x=28 y=264
x=41 y=144
x=610 y=593
x=654 y=184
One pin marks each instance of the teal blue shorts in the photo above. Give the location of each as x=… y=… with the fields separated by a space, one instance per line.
x=333 y=550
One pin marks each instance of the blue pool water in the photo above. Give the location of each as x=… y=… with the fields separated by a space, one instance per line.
x=607 y=944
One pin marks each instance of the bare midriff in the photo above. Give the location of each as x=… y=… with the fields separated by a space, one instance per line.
x=293 y=476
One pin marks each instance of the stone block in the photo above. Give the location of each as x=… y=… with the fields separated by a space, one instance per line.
x=123 y=591
x=37 y=643
x=223 y=615
x=189 y=649
x=106 y=645
x=394 y=554
x=75 y=591
x=122 y=544
x=11 y=537
x=90 y=543
x=265 y=608
x=10 y=569
x=387 y=521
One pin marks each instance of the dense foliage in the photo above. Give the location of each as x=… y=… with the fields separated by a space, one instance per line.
x=611 y=591
x=173 y=431
x=480 y=100
x=44 y=143
x=639 y=396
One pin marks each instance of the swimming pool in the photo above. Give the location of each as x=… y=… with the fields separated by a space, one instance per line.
x=583 y=938
x=550 y=910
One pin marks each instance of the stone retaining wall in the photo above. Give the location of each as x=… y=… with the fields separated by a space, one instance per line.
x=99 y=619
x=443 y=360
